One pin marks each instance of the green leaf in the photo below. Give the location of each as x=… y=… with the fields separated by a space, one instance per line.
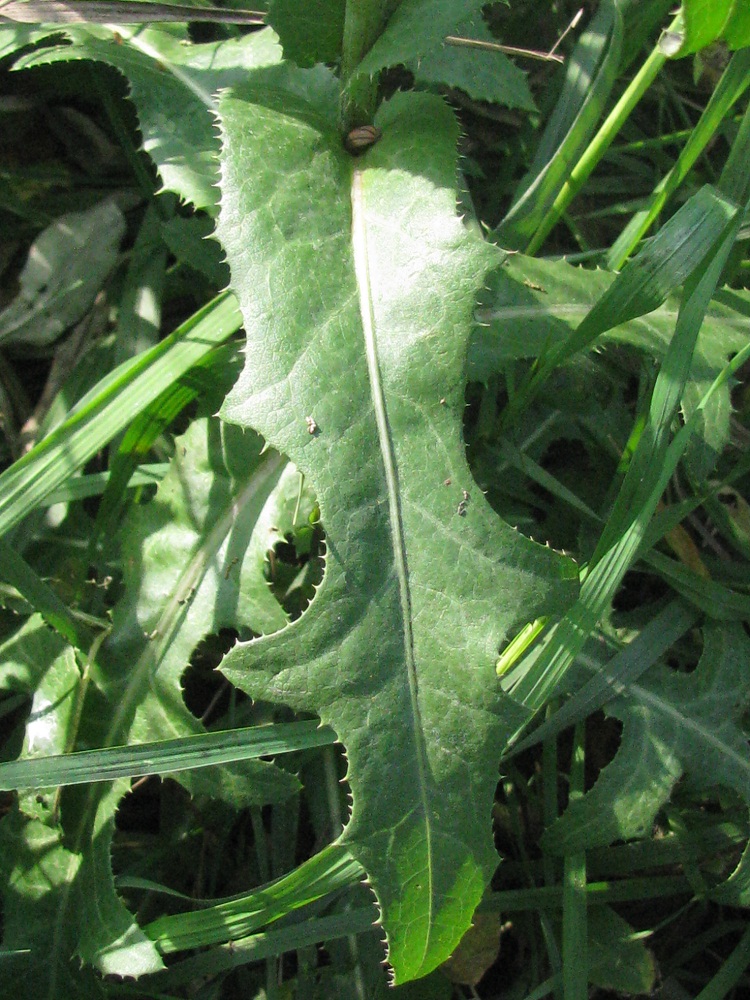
x=733 y=83
x=483 y=75
x=709 y=21
x=187 y=239
x=194 y=560
x=174 y=87
x=357 y=283
x=737 y=28
x=65 y=270
x=163 y=756
x=309 y=33
x=618 y=959
x=108 y=408
x=40 y=596
x=655 y=457
x=40 y=871
x=37 y=871
x=41 y=664
x=673 y=725
x=415 y=28
x=256 y=947
x=191 y=565
x=590 y=75
x=14 y=37
x=534 y=305
x=331 y=869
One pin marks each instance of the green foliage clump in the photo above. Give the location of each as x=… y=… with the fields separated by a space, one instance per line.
x=375 y=499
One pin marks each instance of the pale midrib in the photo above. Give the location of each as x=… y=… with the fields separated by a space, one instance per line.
x=364 y=289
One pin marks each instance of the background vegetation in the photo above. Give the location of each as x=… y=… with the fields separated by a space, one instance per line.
x=323 y=305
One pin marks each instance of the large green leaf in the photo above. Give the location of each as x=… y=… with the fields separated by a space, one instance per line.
x=357 y=281
x=194 y=561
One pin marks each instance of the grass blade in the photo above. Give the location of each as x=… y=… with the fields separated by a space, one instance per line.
x=332 y=869
x=109 y=408
x=164 y=756
x=734 y=81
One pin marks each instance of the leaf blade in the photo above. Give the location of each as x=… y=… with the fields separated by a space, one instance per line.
x=349 y=323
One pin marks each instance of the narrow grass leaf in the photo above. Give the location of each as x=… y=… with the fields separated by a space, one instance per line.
x=260 y=946
x=596 y=149
x=163 y=756
x=146 y=427
x=589 y=77
x=575 y=945
x=93 y=484
x=330 y=870
x=733 y=83
x=109 y=408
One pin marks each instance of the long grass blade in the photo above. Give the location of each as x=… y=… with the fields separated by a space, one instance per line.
x=164 y=756
x=734 y=81
x=110 y=407
x=591 y=73
x=332 y=869
x=119 y=12
x=260 y=946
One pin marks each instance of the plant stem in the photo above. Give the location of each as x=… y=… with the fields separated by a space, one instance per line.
x=364 y=21
x=575 y=919
x=601 y=142
x=732 y=85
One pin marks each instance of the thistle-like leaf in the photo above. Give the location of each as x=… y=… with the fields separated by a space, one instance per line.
x=39 y=869
x=357 y=284
x=173 y=86
x=535 y=304
x=415 y=28
x=674 y=725
x=194 y=562
x=483 y=74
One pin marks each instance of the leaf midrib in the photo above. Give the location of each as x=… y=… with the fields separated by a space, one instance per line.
x=398 y=540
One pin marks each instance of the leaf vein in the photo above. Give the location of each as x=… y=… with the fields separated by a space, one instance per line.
x=367 y=312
